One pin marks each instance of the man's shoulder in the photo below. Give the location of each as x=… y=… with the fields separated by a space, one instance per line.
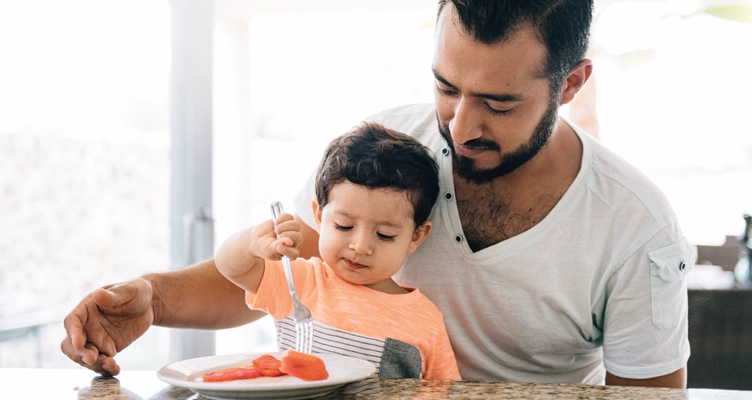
x=416 y=120
x=625 y=182
x=405 y=113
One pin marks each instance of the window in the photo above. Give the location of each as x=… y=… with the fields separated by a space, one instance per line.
x=84 y=164
x=673 y=99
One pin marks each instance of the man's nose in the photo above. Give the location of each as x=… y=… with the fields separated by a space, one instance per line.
x=465 y=125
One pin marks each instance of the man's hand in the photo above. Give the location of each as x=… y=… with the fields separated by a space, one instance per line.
x=106 y=322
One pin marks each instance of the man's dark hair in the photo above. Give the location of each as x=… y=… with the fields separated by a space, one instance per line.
x=376 y=157
x=563 y=26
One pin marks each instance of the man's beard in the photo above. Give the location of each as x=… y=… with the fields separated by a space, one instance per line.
x=465 y=167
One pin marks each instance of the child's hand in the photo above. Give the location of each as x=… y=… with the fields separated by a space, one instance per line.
x=272 y=242
x=241 y=257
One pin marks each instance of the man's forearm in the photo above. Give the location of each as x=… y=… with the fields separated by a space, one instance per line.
x=676 y=379
x=198 y=297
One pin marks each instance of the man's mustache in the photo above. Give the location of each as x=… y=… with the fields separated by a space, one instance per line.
x=473 y=144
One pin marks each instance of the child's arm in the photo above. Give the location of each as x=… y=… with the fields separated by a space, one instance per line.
x=241 y=257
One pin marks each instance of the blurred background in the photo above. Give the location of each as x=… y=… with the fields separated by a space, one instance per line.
x=137 y=135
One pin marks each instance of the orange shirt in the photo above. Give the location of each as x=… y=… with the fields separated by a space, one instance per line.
x=403 y=334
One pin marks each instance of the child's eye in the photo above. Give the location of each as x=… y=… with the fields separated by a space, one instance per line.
x=385 y=237
x=342 y=228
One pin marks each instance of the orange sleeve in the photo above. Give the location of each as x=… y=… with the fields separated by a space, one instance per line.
x=442 y=363
x=273 y=296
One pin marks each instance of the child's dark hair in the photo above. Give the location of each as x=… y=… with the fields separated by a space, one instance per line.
x=376 y=157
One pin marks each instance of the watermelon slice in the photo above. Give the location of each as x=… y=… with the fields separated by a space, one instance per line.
x=266 y=365
x=307 y=367
x=232 y=374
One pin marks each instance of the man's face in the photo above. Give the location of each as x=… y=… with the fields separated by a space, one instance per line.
x=494 y=105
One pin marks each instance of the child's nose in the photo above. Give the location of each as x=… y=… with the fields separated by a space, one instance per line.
x=361 y=245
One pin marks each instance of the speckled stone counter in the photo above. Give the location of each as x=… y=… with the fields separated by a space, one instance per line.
x=82 y=384
x=412 y=389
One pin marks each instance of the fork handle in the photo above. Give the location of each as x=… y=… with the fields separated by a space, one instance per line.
x=276 y=212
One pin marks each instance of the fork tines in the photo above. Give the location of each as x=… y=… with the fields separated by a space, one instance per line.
x=304 y=337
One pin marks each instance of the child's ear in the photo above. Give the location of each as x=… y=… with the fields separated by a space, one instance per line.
x=316 y=213
x=419 y=235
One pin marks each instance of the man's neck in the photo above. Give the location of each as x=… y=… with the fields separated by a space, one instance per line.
x=514 y=203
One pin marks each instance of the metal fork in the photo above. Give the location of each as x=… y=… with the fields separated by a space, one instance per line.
x=301 y=314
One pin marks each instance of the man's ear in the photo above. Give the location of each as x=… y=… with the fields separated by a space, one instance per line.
x=576 y=80
x=419 y=235
x=316 y=213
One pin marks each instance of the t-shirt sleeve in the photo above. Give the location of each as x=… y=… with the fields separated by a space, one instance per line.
x=273 y=295
x=645 y=319
x=441 y=363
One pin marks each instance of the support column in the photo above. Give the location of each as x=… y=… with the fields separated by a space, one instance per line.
x=192 y=228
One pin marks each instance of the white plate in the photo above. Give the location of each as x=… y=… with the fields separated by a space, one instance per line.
x=188 y=374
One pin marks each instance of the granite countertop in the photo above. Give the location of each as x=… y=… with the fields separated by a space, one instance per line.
x=42 y=383
x=414 y=389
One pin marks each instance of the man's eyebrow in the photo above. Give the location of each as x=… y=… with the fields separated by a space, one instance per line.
x=442 y=79
x=506 y=97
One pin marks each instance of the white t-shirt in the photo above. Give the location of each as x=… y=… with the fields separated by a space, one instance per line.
x=599 y=284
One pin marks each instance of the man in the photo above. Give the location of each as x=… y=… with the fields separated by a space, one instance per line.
x=552 y=259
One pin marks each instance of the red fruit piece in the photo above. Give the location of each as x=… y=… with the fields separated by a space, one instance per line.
x=232 y=374
x=307 y=367
x=268 y=365
x=267 y=361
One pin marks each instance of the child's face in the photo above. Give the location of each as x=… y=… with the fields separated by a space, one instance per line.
x=366 y=234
